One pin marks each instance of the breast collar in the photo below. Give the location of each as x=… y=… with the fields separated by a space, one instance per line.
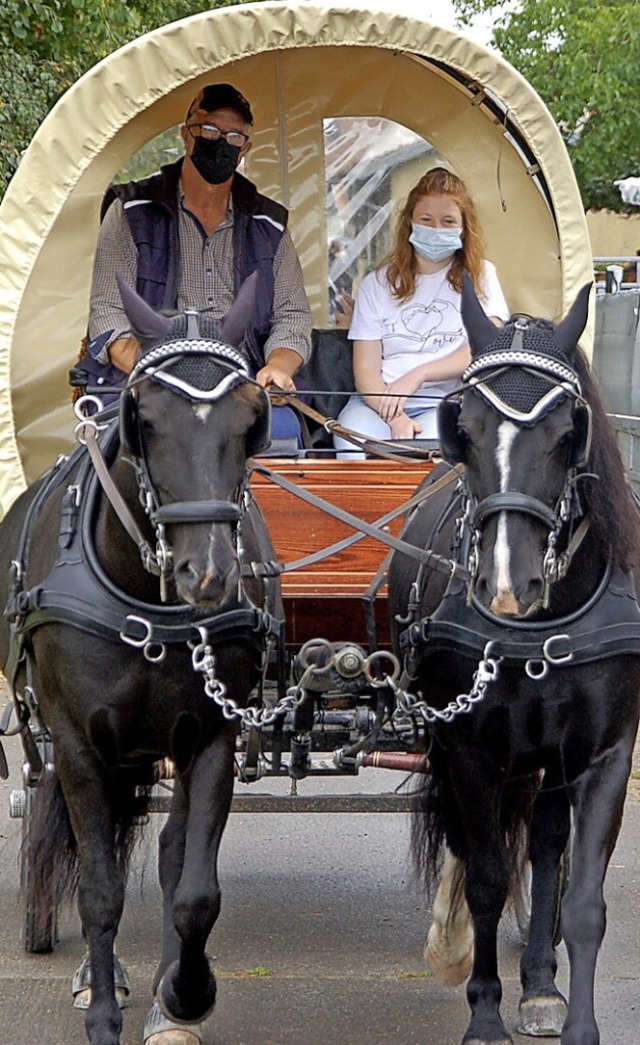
x=78 y=592
x=607 y=625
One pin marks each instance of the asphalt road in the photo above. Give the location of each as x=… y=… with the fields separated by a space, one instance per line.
x=319 y=941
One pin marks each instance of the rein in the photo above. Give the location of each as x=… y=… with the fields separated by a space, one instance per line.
x=424 y=556
x=87 y=434
x=359 y=439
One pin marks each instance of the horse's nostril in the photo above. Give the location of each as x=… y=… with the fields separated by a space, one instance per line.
x=532 y=595
x=483 y=592
x=186 y=572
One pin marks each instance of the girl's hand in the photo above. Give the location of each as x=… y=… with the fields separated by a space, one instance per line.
x=397 y=393
x=391 y=407
x=404 y=427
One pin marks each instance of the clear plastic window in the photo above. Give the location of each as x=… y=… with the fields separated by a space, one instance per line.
x=370 y=166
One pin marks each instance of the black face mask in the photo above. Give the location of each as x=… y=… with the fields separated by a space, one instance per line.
x=215 y=161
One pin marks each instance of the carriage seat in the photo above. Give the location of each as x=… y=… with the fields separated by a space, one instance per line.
x=329 y=376
x=330 y=371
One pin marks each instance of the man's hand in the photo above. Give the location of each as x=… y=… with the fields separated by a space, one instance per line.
x=124 y=352
x=272 y=374
x=278 y=370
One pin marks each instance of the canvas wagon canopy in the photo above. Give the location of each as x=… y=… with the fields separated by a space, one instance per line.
x=320 y=77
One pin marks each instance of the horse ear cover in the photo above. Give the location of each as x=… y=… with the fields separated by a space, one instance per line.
x=452 y=445
x=128 y=421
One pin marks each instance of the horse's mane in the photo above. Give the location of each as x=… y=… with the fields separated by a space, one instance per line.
x=615 y=521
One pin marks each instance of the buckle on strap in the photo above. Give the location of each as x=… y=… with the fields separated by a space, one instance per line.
x=556 y=650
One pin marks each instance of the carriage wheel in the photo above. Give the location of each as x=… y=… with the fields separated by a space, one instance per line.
x=40 y=933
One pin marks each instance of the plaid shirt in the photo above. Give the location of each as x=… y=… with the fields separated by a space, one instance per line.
x=205 y=280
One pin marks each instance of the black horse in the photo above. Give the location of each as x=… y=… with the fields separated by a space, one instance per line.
x=525 y=664
x=130 y=650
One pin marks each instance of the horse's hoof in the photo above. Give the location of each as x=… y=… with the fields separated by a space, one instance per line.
x=82 y=998
x=171 y=1007
x=449 y=950
x=542 y=1016
x=158 y=1030
x=81 y=984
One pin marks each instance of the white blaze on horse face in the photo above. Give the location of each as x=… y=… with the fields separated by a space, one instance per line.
x=202 y=411
x=504 y=601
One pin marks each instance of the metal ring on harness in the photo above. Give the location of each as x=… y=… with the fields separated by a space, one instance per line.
x=549 y=657
x=376 y=660
x=79 y=407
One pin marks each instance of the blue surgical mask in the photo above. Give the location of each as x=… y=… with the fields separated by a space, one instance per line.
x=435 y=244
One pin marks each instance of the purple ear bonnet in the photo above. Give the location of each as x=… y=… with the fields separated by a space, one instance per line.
x=523 y=373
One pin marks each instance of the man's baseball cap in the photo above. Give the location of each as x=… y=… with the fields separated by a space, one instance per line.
x=219 y=96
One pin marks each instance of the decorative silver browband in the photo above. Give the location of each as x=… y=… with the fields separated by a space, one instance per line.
x=175 y=365
x=541 y=364
x=488 y=368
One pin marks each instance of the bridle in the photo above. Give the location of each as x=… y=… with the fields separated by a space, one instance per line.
x=559 y=381
x=203 y=371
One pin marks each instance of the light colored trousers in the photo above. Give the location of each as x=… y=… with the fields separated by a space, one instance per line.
x=361 y=418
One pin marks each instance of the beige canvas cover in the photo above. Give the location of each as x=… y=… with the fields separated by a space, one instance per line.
x=298 y=63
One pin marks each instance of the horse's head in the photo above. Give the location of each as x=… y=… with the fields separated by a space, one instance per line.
x=522 y=428
x=190 y=416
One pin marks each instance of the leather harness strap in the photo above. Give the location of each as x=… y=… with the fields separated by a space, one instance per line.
x=423 y=556
x=359 y=439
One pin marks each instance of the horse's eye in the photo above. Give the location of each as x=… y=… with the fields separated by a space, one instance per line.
x=465 y=437
x=147 y=427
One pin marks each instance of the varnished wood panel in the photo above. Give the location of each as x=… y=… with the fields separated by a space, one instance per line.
x=326 y=598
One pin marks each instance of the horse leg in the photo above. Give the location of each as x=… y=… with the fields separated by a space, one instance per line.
x=449 y=947
x=101 y=881
x=486 y=888
x=542 y=1007
x=599 y=800
x=158 y=1030
x=187 y=990
x=170 y=862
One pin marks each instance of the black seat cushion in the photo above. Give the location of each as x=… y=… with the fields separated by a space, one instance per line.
x=328 y=372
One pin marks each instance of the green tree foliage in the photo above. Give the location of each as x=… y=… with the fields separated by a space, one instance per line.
x=45 y=45
x=583 y=59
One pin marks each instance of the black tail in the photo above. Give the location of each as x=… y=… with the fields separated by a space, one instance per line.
x=49 y=864
x=49 y=855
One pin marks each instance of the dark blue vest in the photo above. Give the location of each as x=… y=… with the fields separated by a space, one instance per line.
x=151 y=209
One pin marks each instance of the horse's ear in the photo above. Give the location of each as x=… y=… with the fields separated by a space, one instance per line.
x=237 y=320
x=452 y=444
x=567 y=333
x=481 y=331
x=146 y=323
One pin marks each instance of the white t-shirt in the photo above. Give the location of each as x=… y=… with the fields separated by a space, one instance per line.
x=426 y=327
